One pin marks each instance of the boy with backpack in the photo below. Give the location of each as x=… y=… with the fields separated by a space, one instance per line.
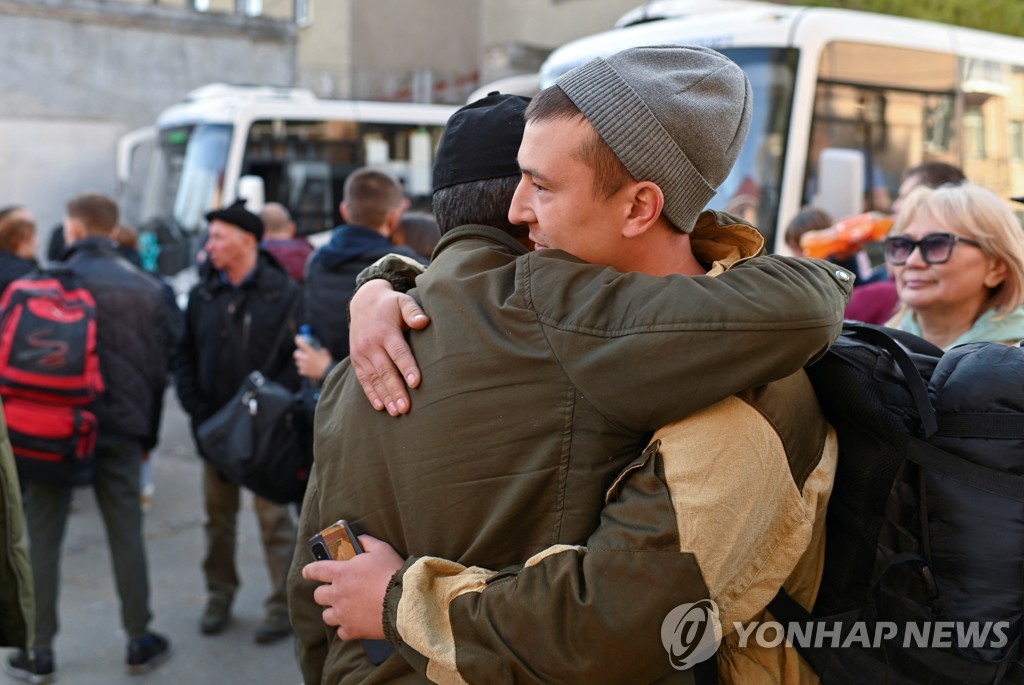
x=133 y=340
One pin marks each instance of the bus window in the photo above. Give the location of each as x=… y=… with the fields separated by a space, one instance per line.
x=202 y=174
x=304 y=163
x=993 y=97
x=751 y=190
x=895 y=105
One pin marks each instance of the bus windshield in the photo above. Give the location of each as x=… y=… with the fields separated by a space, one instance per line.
x=202 y=175
x=751 y=191
x=183 y=181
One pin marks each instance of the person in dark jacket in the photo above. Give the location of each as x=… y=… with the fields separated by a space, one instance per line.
x=134 y=343
x=18 y=244
x=279 y=240
x=240 y=317
x=372 y=206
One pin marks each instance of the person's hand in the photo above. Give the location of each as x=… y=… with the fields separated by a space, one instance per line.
x=353 y=590
x=381 y=357
x=311 y=362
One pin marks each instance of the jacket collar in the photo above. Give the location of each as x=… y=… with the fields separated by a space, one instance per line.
x=720 y=241
x=91 y=244
x=268 y=274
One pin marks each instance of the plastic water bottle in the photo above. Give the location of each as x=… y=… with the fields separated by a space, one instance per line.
x=306 y=333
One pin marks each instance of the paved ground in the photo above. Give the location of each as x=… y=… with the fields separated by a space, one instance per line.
x=90 y=647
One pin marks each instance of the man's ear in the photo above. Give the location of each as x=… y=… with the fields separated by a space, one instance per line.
x=74 y=230
x=343 y=210
x=646 y=203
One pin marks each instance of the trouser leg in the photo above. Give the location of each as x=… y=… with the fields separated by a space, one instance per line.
x=221 y=500
x=277 y=530
x=118 y=465
x=46 y=517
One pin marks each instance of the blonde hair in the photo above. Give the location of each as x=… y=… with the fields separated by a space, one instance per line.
x=979 y=214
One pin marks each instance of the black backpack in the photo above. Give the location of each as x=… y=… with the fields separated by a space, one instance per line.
x=925 y=526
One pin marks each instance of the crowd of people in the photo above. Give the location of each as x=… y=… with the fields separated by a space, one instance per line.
x=252 y=288
x=599 y=356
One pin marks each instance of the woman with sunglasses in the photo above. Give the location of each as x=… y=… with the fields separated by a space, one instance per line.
x=957 y=255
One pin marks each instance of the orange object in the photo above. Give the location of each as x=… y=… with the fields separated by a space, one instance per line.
x=845 y=238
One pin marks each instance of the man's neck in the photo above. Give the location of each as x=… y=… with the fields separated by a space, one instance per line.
x=667 y=252
x=236 y=273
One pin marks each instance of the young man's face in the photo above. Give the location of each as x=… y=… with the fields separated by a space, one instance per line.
x=556 y=197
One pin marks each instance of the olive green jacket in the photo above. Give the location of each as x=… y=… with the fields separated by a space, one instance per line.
x=17 y=606
x=543 y=377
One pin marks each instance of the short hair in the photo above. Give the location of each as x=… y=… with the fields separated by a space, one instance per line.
x=977 y=213
x=478 y=202
x=276 y=219
x=369 y=195
x=97 y=212
x=15 y=228
x=934 y=174
x=9 y=209
x=610 y=173
x=128 y=236
x=807 y=219
x=420 y=232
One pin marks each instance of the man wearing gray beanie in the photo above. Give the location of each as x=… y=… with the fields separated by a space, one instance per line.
x=677 y=116
x=722 y=505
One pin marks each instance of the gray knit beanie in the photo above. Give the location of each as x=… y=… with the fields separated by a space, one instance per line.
x=675 y=115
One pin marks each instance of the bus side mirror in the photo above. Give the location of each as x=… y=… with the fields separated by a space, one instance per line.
x=252 y=190
x=840 y=182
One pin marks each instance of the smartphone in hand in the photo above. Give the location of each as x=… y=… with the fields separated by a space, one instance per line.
x=339 y=541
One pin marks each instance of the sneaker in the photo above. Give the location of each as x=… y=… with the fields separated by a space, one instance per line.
x=41 y=670
x=275 y=626
x=147 y=652
x=215 y=616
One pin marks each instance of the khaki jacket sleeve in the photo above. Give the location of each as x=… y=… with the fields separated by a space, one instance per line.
x=570 y=615
x=647 y=351
x=398 y=270
x=17 y=620
x=306 y=615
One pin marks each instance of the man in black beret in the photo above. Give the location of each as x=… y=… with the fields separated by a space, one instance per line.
x=232 y=326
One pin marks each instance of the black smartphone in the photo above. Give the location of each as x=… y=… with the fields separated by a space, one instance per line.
x=339 y=541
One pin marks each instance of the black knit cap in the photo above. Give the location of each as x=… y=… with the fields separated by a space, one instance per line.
x=481 y=141
x=238 y=215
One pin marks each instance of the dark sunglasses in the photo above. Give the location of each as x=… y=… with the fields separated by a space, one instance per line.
x=936 y=248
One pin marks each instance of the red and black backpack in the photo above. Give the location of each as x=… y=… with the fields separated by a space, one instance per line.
x=50 y=376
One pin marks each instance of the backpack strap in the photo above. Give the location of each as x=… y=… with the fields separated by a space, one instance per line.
x=981 y=425
x=885 y=338
x=787 y=610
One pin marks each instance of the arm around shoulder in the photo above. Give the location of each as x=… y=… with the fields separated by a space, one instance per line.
x=648 y=351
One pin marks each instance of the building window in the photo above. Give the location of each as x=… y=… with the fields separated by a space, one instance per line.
x=974 y=135
x=1017 y=139
x=303 y=12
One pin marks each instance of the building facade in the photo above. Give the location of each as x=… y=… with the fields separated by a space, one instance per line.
x=78 y=74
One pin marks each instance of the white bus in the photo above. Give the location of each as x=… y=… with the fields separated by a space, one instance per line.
x=265 y=144
x=898 y=91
